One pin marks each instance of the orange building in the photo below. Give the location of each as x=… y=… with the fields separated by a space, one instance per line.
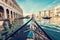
x=51 y=13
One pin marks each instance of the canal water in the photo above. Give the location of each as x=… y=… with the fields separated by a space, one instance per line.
x=50 y=26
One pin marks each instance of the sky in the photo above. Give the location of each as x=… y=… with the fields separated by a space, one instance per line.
x=33 y=6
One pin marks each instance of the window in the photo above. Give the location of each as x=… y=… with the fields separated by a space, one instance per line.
x=7 y=11
x=2 y=0
x=0 y=14
x=10 y=4
x=1 y=11
x=11 y=15
x=6 y=1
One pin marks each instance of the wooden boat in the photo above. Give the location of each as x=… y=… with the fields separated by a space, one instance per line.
x=46 y=17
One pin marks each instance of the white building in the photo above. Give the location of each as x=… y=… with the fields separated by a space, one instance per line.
x=9 y=9
x=57 y=10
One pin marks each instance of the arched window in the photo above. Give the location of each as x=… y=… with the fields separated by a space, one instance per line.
x=11 y=15
x=7 y=11
x=14 y=14
x=1 y=12
x=6 y=1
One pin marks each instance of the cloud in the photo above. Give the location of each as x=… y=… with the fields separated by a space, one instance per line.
x=50 y=5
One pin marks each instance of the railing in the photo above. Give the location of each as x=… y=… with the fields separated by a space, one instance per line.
x=8 y=28
x=6 y=25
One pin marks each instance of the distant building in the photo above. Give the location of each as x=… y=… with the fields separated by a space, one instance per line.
x=51 y=13
x=57 y=10
x=30 y=15
x=42 y=13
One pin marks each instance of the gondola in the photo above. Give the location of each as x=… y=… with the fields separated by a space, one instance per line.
x=46 y=17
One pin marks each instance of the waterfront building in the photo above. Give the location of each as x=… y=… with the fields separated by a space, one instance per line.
x=42 y=13
x=39 y=14
x=10 y=10
x=51 y=13
x=46 y=13
x=57 y=10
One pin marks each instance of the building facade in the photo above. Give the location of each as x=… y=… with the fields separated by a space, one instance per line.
x=51 y=13
x=57 y=10
x=9 y=9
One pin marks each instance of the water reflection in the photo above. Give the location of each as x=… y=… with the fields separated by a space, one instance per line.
x=55 y=21
x=25 y=20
